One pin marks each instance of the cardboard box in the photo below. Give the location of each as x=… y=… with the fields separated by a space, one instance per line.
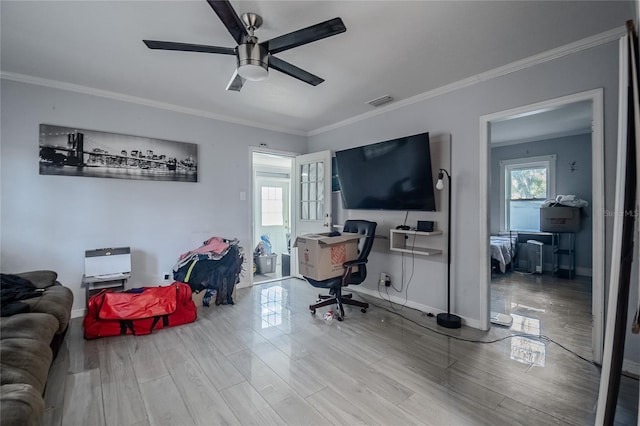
x=320 y=257
x=560 y=219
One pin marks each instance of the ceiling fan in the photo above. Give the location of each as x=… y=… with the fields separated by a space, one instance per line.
x=254 y=59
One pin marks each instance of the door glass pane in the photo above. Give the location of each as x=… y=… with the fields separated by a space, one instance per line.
x=320 y=191
x=304 y=173
x=305 y=192
x=320 y=171
x=312 y=172
x=304 y=211
x=320 y=213
x=312 y=211
x=312 y=191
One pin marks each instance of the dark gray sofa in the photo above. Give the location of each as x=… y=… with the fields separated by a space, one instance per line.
x=28 y=344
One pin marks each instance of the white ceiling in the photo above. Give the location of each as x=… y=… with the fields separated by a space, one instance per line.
x=390 y=47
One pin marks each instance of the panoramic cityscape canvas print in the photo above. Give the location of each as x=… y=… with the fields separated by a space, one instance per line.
x=70 y=151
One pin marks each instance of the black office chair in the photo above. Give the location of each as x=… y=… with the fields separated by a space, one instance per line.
x=350 y=276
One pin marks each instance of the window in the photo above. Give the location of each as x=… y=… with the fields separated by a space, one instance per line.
x=525 y=184
x=272 y=206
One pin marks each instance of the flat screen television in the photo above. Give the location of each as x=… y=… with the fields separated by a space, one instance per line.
x=390 y=175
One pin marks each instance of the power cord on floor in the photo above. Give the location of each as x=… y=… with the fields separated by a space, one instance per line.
x=406 y=293
x=542 y=338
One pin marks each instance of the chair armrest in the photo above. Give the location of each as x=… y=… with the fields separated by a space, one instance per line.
x=354 y=262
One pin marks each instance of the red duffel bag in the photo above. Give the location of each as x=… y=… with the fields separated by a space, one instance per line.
x=138 y=311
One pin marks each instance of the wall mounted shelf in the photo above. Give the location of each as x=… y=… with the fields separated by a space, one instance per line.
x=415 y=242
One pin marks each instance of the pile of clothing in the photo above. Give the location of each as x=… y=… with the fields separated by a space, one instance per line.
x=13 y=289
x=215 y=268
x=566 y=200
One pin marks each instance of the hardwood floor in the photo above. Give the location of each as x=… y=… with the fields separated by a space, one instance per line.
x=266 y=360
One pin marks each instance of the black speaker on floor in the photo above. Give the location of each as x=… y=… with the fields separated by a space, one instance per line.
x=425 y=226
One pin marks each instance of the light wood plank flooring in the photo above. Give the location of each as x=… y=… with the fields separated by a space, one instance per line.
x=543 y=304
x=266 y=360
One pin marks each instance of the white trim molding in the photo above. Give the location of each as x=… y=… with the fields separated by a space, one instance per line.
x=597 y=148
x=559 y=52
x=78 y=313
x=470 y=322
x=85 y=90
x=630 y=367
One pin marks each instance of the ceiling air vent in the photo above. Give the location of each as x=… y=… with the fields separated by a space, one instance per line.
x=380 y=101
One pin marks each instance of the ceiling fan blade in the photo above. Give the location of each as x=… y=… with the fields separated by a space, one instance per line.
x=236 y=82
x=306 y=35
x=293 y=71
x=187 y=47
x=230 y=19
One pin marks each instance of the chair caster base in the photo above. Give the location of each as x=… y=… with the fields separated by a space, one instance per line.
x=313 y=311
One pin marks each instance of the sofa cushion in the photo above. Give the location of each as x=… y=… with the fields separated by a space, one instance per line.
x=28 y=326
x=22 y=405
x=55 y=300
x=25 y=354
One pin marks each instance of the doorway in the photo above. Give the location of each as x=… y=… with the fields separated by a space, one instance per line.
x=271 y=175
x=500 y=216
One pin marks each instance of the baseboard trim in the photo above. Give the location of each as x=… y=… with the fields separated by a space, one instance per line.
x=470 y=322
x=580 y=270
x=631 y=367
x=584 y=272
x=78 y=313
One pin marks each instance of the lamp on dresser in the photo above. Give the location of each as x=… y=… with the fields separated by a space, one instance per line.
x=447 y=320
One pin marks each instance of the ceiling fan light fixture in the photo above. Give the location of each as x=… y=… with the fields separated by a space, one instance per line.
x=254 y=59
x=253 y=72
x=252 y=62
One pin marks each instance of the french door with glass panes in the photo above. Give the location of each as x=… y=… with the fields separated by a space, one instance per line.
x=312 y=183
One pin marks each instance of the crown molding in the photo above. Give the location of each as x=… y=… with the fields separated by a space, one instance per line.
x=85 y=90
x=549 y=55
x=566 y=50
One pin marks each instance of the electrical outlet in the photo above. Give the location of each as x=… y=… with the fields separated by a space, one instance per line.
x=383 y=278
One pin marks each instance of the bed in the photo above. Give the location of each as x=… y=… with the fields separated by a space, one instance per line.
x=503 y=251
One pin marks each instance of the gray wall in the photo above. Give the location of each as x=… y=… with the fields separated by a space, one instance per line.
x=578 y=182
x=49 y=221
x=458 y=113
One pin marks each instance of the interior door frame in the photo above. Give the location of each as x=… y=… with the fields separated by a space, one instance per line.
x=250 y=198
x=597 y=190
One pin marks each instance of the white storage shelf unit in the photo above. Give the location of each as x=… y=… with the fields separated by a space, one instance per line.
x=415 y=242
